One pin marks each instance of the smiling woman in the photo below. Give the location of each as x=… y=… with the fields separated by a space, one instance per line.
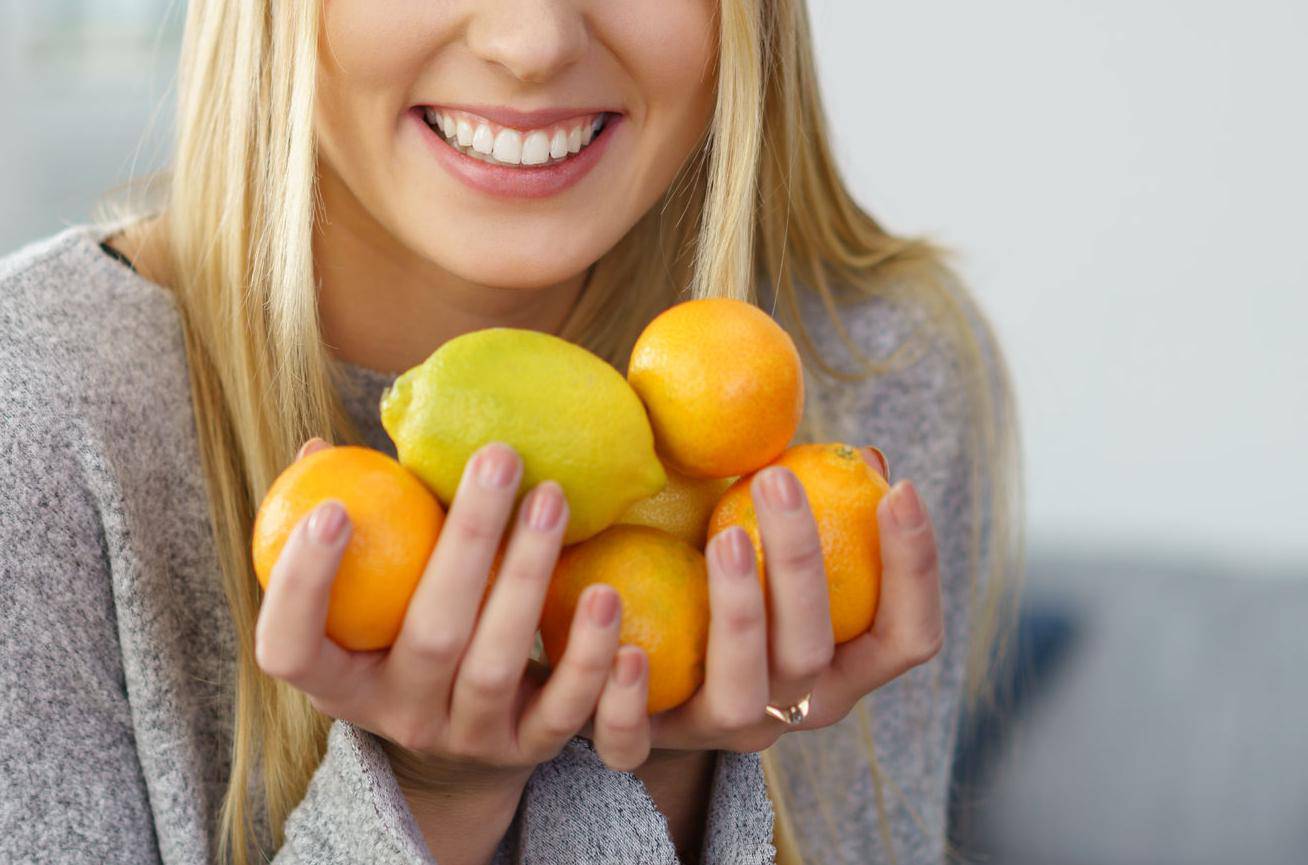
x=354 y=185
x=632 y=86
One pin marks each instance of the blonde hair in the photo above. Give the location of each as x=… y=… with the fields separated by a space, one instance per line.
x=754 y=202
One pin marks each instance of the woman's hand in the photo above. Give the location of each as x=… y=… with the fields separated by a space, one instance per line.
x=452 y=688
x=748 y=667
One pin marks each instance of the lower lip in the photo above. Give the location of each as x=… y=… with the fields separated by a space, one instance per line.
x=537 y=181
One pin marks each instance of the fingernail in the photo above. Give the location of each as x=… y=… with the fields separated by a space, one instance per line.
x=781 y=490
x=629 y=667
x=734 y=551
x=495 y=468
x=604 y=608
x=880 y=457
x=326 y=522
x=545 y=508
x=906 y=506
x=304 y=447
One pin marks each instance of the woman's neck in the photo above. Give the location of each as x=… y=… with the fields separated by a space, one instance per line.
x=382 y=306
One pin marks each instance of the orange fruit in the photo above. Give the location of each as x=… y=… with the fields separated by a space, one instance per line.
x=681 y=508
x=843 y=492
x=663 y=583
x=723 y=385
x=395 y=521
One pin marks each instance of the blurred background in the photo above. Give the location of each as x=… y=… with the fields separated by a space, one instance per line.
x=1125 y=181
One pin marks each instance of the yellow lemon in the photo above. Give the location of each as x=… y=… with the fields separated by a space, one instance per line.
x=681 y=508
x=571 y=417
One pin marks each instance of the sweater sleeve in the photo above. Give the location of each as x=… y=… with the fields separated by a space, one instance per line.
x=71 y=787
x=354 y=810
x=923 y=415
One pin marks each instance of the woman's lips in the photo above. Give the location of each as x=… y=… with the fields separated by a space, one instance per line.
x=489 y=157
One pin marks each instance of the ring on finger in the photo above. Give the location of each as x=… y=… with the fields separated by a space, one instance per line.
x=791 y=715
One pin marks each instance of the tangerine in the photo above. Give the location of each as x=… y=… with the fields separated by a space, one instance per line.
x=394 y=520
x=663 y=584
x=681 y=508
x=723 y=385
x=843 y=492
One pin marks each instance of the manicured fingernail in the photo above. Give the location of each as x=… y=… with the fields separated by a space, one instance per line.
x=629 y=667
x=495 y=468
x=604 y=608
x=876 y=454
x=305 y=447
x=906 y=506
x=545 y=508
x=734 y=552
x=781 y=490
x=326 y=522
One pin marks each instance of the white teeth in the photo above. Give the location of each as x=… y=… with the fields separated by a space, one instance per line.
x=482 y=140
x=508 y=146
x=536 y=149
x=511 y=146
x=559 y=144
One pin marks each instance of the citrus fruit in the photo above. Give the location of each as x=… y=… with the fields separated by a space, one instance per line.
x=843 y=492
x=663 y=583
x=681 y=508
x=395 y=521
x=569 y=415
x=723 y=385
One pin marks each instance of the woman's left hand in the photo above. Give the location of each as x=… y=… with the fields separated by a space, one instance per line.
x=748 y=667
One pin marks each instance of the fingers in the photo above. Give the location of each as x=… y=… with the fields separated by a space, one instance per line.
x=799 y=614
x=290 y=633
x=909 y=626
x=566 y=700
x=621 y=730
x=442 y=612
x=486 y=683
x=313 y=445
x=915 y=624
x=736 y=672
x=736 y=682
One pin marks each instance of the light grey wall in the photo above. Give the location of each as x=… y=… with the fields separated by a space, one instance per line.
x=1127 y=181
x=85 y=93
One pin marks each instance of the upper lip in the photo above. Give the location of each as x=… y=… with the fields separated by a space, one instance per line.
x=516 y=119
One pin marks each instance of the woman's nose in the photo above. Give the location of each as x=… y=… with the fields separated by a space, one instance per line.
x=533 y=39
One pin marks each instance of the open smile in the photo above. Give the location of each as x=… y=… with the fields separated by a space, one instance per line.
x=530 y=156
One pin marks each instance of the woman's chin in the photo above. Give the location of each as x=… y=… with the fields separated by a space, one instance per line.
x=516 y=272
x=463 y=251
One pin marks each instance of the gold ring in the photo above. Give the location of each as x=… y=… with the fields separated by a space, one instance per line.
x=791 y=715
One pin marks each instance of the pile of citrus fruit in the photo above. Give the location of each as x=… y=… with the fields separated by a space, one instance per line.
x=652 y=466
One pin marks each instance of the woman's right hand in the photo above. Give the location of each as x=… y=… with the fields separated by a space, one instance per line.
x=452 y=689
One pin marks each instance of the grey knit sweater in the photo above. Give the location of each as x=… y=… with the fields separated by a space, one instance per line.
x=117 y=650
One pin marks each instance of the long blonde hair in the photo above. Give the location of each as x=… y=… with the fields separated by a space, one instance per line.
x=755 y=202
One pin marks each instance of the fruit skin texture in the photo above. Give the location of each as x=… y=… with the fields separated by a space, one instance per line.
x=569 y=415
x=681 y=508
x=663 y=583
x=394 y=519
x=843 y=492
x=723 y=384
